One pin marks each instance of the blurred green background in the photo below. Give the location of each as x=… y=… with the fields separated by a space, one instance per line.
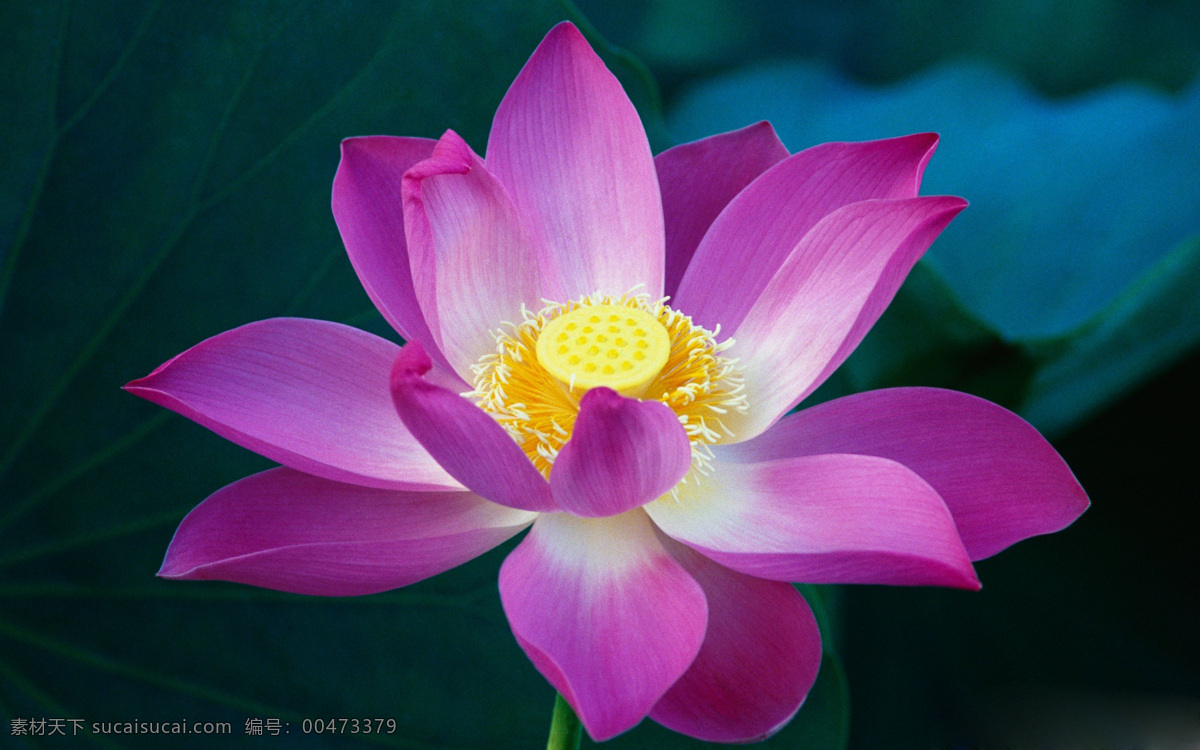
x=165 y=172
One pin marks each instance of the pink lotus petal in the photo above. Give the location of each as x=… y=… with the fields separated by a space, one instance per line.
x=569 y=147
x=760 y=657
x=820 y=519
x=309 y=394
x=289 y=531
x=471 y=266
x=753 y=237
x=368 y=209
x=700 y=178
x=604 y=613
x=1000 y=479
x=622 y=453
x=468 y=443
x=836 y=277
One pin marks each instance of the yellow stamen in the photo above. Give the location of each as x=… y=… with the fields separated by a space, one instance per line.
x=533 y=388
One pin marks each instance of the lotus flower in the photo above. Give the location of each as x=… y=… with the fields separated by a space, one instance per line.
x=604 y=348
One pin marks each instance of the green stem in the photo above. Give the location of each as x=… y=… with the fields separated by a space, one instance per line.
x=565 y=730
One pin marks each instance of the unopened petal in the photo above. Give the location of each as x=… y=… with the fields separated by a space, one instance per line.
x=569 y=147
x=820 y=519
x=604 y=613
x=309 y=394
x=1002 y=481
x=289 y=531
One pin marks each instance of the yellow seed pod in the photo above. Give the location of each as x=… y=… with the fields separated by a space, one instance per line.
x=616 y=346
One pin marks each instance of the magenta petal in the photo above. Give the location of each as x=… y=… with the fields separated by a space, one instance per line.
x=289 y=531
x=368 y=209
x=622 y=453
x=760 y=657
x=569 y=147
x=309 y=394
x=820 y=519
x=754 y=235
x=471 y=266
x=839 y=274
x=698 y=180
x=604 y=613
x=1000 y=479
x=468 y=443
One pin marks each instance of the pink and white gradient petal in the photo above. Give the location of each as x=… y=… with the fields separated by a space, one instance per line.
x=622 y=454
x=1002 y=481
x=752 y=238
x=569 y=147
x=309 y=394
x=605 y=613
x=836 y=276
x=368 y=209
x=471 y=265
x=289 y=531
x=760 y=657
x=831 y=518
x=470 y=445
x=700 y=178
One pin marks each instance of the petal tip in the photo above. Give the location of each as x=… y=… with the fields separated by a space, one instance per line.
x=600 y=397
x=565 y=29
x=412 y=362
x=967 y=580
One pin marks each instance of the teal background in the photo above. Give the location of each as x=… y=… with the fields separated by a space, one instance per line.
x=164 y=176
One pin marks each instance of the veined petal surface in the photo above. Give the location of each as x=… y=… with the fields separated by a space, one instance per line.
x=840 y=273
x=569 y=147
x=700 y=178
x=309 y=394
x=831 y=518
x=471 y=265
x=756 y=233
x=290 y=531
x=760 y=657
x=1002 y=481
x=605 y=613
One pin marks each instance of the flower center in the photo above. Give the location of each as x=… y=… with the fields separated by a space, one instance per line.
x=619 y=347
x=542 y=366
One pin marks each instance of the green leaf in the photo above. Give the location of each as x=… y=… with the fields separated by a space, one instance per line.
x=166 y=177
x=1074 y=206
x=1156 y=319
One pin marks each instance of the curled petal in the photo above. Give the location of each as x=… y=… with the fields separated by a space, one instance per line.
x=820 y=519
x=569 y=147
x=999 y=477
x=752 y=238
x=471 y=265
x=604 y=613
x=470 y=445
x=698 y=180
x=622 y=453
x=760 y=657
x=309 y=394
x=289 y=531
x=841 y=274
